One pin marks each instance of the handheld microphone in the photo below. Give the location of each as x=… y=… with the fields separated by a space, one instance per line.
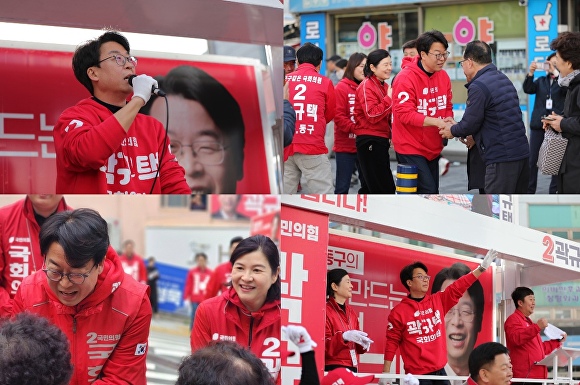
x=154 y=90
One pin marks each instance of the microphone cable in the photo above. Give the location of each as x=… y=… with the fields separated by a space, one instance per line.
x=164 y=143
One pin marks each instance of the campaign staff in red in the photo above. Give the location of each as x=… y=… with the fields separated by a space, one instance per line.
x=19 y=246
x=195 y=284
x=523 y=337
x=249 y=311
x=132 y=262
x=221 y=276
x=416 y=325
x=85 y=292
x=103 y=145
x=343 y=339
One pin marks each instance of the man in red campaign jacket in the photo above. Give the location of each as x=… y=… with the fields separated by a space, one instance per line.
x=421 y=101
x=103 y=145
x=312 y=96
x=222 y=275
x=132 y=262
x=523 y=337
x=196 y=284
x=19 y=246
x=416 y=325
x=83 y=290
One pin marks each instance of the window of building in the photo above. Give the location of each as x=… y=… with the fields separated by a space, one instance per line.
x=175 y=201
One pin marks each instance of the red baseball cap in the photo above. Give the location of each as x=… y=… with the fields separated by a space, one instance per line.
x=346 y=377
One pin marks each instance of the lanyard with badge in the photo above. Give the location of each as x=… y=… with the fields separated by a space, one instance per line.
x=350 y=343
x=549 y=99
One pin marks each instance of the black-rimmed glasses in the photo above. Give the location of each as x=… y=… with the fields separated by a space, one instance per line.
x=76 y=278
x=121 y=60
x=423 y=277
x=440 y=56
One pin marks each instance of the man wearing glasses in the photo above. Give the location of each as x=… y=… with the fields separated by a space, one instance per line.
x=102 y=144
x=416 y=325
x=421 y=100
x=83 y=290
x=494 y=118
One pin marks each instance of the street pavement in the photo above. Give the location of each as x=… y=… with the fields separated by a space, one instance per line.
x=453 y=182
x=168 y=345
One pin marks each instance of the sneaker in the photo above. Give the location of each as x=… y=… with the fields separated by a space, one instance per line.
x=443 y=166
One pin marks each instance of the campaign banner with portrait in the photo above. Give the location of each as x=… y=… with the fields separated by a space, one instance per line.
x=374 y=265
x=267 y=224
x=39 y=84
x=242 y=206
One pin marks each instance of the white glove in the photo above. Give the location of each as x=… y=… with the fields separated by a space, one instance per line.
x=488 y=259
x=300 y=337
x=384 y=381
x=142 y=87
x=187 y=305
x=410 y=380
x=358 y=337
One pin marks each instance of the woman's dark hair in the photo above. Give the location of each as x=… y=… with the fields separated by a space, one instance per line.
x=453 y=273
x=33 y=351
x=195 y=84
x=88 y=54
x=82 y=234
x=568 y=46
x=520 y=293
x=407 y=272
x=223 y=363
x=268 y=248
x=374 y=59
x=353 y=61
x=334 y=276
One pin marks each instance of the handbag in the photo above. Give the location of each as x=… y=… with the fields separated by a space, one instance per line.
x=551 y=152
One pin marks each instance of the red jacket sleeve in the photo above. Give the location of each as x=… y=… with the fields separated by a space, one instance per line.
x=188 y=286
x=517 y=334
x=394 y=335
x=374 y=106
x=83 y=145
x=201 y=332
x=333 y=342
x=124 y=366
x=214 y=284
x=142 y=272
x=342 y=118
x=330 y=108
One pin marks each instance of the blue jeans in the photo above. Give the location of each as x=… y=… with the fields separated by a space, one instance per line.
x=346 y=163
x=194 y=306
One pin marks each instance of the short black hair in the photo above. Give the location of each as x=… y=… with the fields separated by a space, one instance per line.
x=341 y=63
x=483 y=355
x=568 y=46
x=475 y=291
x=87 y=55
x=309 y=53
x=334 y=276
x=200 y=255
x=410 y=44
x=407 y=272
x=264 y=244
x=223 y=363
x=193 y=83
x=82 y=234
x=236 y=240
x=478 y=51
x=374 y=58
x=34 y=352
x=427 y=39
x=520 y=293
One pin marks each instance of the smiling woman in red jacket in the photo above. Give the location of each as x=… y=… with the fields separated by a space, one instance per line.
x=249 y=311
x=372 y=113
x=343 y=339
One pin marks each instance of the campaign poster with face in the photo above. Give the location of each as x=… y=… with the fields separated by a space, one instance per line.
x=39 y=84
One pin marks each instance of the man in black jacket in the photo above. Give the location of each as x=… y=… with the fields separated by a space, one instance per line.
x=494 y=118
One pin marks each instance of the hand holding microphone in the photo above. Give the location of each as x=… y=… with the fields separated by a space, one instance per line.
x=144 y=86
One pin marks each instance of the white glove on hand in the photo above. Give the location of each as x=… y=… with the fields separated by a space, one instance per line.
x=488 y=259
x=187 y=305
x=142 y=87
x=299 y=337
x=358 y=337
x=384 y=381
x=410 y=380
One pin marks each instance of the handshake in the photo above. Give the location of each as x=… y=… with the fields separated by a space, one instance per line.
x=358 y=337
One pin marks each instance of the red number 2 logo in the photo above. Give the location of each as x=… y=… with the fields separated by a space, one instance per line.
x=549 y=243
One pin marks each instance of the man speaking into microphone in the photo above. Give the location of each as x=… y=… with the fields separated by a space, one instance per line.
x=103 y=145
